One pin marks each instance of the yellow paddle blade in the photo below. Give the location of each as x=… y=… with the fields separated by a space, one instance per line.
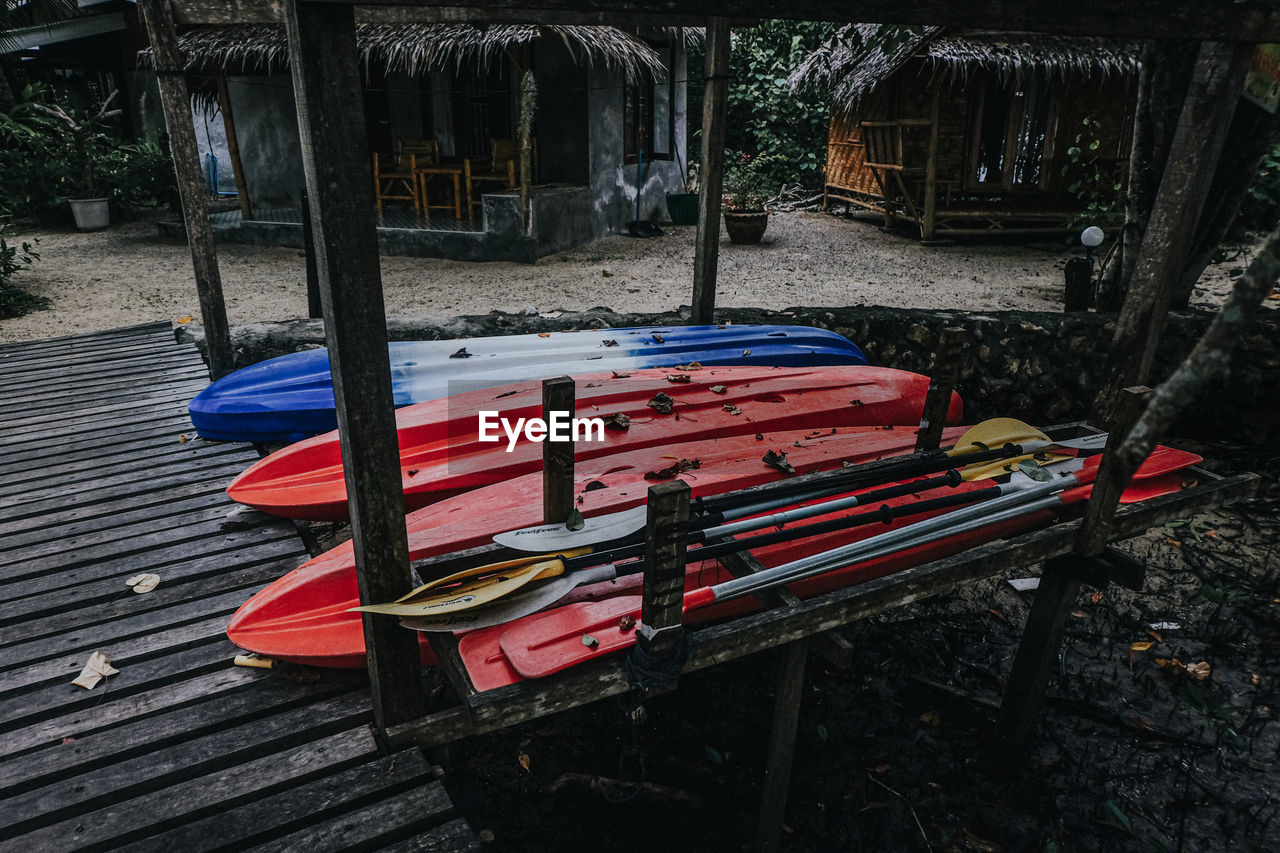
x=1000 y=467
x=490 y=568
x=474 y=592
x=993 y=433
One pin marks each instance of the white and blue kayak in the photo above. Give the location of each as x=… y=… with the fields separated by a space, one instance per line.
x=291 y=397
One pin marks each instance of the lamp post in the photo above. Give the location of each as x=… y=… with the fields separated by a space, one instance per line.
x=1079 y=272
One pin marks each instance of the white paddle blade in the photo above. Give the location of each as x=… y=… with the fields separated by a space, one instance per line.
x=557 y=537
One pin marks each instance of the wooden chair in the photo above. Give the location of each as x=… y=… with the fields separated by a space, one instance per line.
x=398 y=184
x=425 y=151
x=499 y=170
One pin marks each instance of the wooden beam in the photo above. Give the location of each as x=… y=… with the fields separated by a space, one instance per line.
x=947 y=358
x=228 y=12
x=1216 y=83
x=557 y=456
x=233 y=148
x=335 y=159
x=706 y=252
x=176 y=104
x=664 y=559
x=782 y=745
x=1221 y=20
x=929 y=215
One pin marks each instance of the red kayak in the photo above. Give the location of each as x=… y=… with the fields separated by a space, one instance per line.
x=303 y=617
x=442 y=454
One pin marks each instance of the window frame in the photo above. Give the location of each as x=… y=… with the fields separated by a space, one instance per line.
x=647 y=117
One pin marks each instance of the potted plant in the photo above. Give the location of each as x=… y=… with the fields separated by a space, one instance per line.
x=90 y=209
x=746 y=192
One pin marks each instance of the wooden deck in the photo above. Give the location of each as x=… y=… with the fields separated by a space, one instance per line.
x=181 y=750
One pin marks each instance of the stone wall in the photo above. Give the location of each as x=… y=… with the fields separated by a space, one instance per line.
x=1039 y=366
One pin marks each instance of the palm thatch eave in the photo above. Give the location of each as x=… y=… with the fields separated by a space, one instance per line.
x=859 y=58
x=415 y=49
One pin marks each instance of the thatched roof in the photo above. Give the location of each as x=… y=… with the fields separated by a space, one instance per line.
x=859 y=57
x=415 y=48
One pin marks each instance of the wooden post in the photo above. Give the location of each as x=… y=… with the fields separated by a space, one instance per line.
x=335 y=158
x=233 y=148
x=928 y=218
x=1038 y=650
x=1078 y=274
x=1216 y=83
x=315 y=310
x=706 y=252
x=942 y=381
x=557 y=456
x=176 y=104
x=664 y=557
x=782 y=745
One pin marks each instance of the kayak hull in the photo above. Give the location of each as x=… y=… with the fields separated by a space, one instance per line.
x=443 y=453
x=304 y=617
x=290 y=397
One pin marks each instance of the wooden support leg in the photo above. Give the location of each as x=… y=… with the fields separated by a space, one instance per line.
x=664 y=555
x=557 y=456
x=176 y=104
x=706 y=253
x=782 y=745
x=335 y=158
x=315 y=309
x=1038 y=651
x=946 y=370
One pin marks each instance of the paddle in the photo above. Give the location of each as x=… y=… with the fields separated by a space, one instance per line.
x=440 y=604
x=619 y=525
x=544 y=644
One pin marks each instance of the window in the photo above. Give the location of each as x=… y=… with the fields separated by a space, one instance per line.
x=1010 y=130
x=648 y=114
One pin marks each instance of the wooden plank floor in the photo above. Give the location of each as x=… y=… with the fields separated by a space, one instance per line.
x=181 y=750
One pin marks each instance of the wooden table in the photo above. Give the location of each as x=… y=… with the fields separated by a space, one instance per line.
x=425 y=174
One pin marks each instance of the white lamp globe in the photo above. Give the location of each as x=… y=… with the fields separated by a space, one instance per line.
x=1092 y=236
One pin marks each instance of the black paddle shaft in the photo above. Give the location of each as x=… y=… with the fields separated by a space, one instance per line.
x=885 y=514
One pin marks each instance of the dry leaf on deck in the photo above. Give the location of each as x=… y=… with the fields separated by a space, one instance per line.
x=98 y=668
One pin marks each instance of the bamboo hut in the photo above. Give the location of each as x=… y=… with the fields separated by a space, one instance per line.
x=962 y=133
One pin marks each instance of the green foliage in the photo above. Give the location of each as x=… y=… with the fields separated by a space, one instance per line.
x=14 y=301
x=750 y=181
x=764 y=116
x=1095 y=182
x=1261 y=208
x=40 y=168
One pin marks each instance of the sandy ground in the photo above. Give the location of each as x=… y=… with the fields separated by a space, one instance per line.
x=131 y=274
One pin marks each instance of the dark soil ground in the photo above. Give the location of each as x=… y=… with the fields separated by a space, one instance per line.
x=898 y=752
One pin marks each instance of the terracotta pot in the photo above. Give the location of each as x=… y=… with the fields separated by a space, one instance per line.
x=746 y=227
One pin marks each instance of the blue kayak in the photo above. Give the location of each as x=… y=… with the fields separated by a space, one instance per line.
x=291 y=397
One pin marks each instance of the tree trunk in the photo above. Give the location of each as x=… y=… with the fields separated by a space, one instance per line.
x=1251 y=135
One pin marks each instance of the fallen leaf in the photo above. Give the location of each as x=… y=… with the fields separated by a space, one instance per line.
x=617 y=421
x=626 y=622
x=693 y=365
x=661 y=403
x=98 y=667
x=589 y=641
x=732 y=409
x=609 y=343
x=997 y=614
x=253 y=660
x=717 y=389
x=544 y=334
x=1199 y=670
x=618 y=374
x=606 y=274
x=679 y=378
x=659 y=338
x=575 y=520
x=746 y=352
x=1155 y=636
x=593 y=485
x=1080 y=614
x=461 y=353
x=670 y=472
x=143 y=583
x=931 y=718
x=182 y=321
x=1096 y=598
x=778 y=460
x=855 y=402
x=525 y=762
x=1140 y=647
